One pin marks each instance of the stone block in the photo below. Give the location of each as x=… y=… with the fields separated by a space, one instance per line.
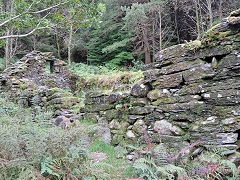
x=168 y=81
x=141 y=110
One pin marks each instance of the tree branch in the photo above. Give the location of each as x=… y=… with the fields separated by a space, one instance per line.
x=47 y=9
x=24 y=35
x=15 y=17
x=29 y=33
x=36 y=12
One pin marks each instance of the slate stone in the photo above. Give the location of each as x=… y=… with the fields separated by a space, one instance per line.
x=140 y=90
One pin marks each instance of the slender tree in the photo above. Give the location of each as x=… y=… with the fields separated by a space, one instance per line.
x=209 y=5
x=137 y=20
x=220 y=9
x=81 y=13
x=197 y=7
x=18 y=15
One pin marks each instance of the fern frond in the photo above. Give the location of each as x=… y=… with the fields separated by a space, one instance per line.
x=35 y=101
x=218 y=150
x=232 y=166
x=131 y=147
x=210 y=157
x=146 y=168
x=48 y=167
x=172 y=169
x=161 y=154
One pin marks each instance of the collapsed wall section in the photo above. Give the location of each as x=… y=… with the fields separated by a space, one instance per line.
x=41 y=80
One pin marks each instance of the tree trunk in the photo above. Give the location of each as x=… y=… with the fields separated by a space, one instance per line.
x=8 y=7
x=7 y=49
x=176 y=22
x=153 y=41
x=58 y=44
x=209 y=4
x=220 y=9
x=197 y=18
x=11 y=52
x=70 y=45
x=160 y=27
x=201 y=21
x=146 y=47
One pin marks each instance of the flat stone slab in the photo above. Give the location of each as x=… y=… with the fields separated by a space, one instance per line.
x=97 y=156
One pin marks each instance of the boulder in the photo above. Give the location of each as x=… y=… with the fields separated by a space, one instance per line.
x=114 y=125
x=117 y=138
x=140 y=90
x=124 y=126
x=158 y=93
x=101 y=133
x=235 y=158
x=139 y=101
x=130 y=134
x=139 y=127
x=63 y=122
x=164 y=127
x=168 y=81
x=141 y=110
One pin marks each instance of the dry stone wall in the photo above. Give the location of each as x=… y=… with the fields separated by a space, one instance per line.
x=28 y=83
x=191 y=93
x=33 y=68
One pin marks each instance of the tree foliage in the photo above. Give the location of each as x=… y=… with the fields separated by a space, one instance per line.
x=109 y=43
x=83 y=32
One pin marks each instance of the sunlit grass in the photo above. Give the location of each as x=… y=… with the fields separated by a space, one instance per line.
x=100 y=77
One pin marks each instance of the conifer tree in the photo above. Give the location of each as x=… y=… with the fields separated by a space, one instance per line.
x=109 y=43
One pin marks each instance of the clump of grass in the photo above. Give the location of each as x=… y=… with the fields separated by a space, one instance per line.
x=101 y=77
x=100 y=146
x=116 y=167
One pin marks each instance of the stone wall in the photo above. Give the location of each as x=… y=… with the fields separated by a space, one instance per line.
x=191 y=93
x=28 y=83
x=32 y=68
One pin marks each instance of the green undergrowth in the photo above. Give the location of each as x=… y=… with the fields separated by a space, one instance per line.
x=101 y=77
x=115 y=158
x=161 y=162
x=32 y=147
x=2 y=63
x=100 y=146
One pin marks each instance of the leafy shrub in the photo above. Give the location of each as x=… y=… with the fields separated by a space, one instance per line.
x=29 y=142
x=2 y=63
x=120 y=60
x=137 y=64
x=85 y=70
x=155 y=166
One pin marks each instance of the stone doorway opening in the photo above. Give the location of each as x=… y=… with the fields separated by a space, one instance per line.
x=3 y=83
x=49 y=67
x=238 y=139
